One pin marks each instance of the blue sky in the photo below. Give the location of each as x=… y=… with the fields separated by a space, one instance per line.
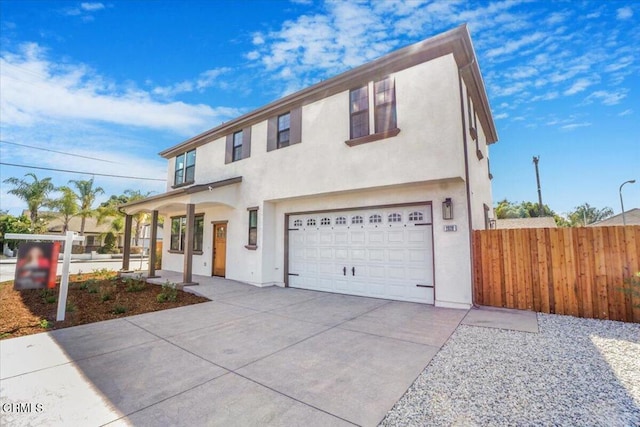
x=122 y=80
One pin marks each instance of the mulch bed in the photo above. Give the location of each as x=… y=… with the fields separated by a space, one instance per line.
x=91 y=298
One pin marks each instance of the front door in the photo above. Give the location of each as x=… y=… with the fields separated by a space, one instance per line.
x=219 y=249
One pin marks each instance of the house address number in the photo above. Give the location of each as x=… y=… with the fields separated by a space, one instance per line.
x=451 y=228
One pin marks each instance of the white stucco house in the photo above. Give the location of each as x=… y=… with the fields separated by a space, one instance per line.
x=368 y=183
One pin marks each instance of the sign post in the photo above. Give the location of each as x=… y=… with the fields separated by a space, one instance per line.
x=68 y=240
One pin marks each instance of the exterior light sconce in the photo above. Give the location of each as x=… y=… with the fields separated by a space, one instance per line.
x=447 y=209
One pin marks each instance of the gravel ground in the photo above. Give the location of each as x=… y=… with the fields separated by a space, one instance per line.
x=575 y=372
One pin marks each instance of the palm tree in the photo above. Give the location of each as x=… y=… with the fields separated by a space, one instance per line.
x=86 y=195
x=141 y=217
x=109 y=209
x=35 y=193
x=66 y=205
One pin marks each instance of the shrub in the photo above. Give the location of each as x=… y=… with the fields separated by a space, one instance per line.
x=109 y=246
x=106 y=292
x=134 y=285
x=48 y=296
x=77 y=249
x=119 y=309
x=169 y=293
x=632 y=287
x=45 y=324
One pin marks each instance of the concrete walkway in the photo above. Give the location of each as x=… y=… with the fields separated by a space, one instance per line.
x=253 y=356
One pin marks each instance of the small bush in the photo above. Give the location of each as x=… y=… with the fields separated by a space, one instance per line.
x=45 y=324
x=50 y=299
x=632 y=287
x=77 y=249
x=134 y=285
x=48 y=296
x=103 y=273
x=169 y=293
x=119 y=309
x=105 y=297
x=106 y=292
x=71 y=307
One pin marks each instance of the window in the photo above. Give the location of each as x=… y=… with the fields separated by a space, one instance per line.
x=416 y=216
x=253 y=227
x=311 y=222
x=284 y=130
x=395 y=217
x=341 y=220
x=185 y=168
x=359 y=110
x=237 y=146
x=357 y=220
x=297 y=223
x=178 y=233
x=375 y=219
x=284 y=127
x=385 y=105
x=325 y=221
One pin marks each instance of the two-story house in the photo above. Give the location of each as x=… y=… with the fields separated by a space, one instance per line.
x=368 y=183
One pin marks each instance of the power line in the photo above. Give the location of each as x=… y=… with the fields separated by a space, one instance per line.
x=59 y=152
x=81 y=172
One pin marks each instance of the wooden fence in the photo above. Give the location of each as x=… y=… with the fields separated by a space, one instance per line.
x=575 y=271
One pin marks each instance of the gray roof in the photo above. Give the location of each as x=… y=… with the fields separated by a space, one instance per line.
x=632 y=217
x=542 y=222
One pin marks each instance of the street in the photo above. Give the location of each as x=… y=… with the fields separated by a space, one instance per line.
x=7 y=271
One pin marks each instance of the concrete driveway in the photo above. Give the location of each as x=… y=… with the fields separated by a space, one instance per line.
x=253 y=356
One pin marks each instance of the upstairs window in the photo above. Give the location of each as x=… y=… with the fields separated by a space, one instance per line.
x=284 y=128
x=385 y=105
x=359 y=110
x=237 y=146
x=185 y=168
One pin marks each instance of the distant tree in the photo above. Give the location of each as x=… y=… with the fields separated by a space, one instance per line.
x=506 y=209
x=34 y=193
x=586 y=214
x=110 y=210
x=14 y=224
x=86 y=194
x=66 y=205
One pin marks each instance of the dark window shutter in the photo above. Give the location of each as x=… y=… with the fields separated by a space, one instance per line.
x=272 y=133
x=295 y=135
x=246 y=142
x=228 y=153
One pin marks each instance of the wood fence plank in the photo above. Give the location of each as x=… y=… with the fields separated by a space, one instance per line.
x=570 y=270
x=601 y=272
x=534 y=272
x=543 y=270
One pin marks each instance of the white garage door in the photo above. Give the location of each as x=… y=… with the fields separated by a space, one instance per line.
x=381 y=253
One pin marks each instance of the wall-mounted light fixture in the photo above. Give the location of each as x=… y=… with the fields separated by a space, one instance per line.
x=447 y=209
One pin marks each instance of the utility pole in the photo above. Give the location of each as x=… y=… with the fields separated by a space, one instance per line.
x=540 y=206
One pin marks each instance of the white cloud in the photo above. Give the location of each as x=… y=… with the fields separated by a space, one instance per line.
x=573 y=126
x=514 y=45
x=90 y=7
x=205 y=80
x=579 y=86
x=624 y=13
x=606 y=97
x=501 y=116
x=626 y=112
x=37 y=90
x=546 y=97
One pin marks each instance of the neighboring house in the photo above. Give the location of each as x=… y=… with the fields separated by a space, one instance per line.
x=541 y=222
x=368 y=183
x=632 y=217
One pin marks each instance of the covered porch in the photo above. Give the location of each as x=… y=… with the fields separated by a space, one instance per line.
x=185 y=200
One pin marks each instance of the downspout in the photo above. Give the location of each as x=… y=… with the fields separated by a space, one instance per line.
x=466 y=174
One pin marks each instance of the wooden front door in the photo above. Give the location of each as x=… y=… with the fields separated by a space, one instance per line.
x=219 y=249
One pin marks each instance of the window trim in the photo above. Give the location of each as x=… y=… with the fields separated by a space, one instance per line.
x=252 y=246
x=364 y=112
x=236 y=149
x=391 y=103
x=181 y=251
x=184 y=169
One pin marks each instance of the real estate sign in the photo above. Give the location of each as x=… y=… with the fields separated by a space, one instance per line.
x=36 y=266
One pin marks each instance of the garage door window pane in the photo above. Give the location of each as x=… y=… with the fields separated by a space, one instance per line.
x=297 y=223
x=395 y=217
x=375 y=219
x=311 y=222
x=341 y=220
x=325 y=221
x=416 y=216
x=357 y=220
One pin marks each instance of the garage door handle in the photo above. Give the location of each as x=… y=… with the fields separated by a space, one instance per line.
x=353 y=271
x=344 y=271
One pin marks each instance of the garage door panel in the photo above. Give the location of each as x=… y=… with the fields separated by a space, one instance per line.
x=382 y=251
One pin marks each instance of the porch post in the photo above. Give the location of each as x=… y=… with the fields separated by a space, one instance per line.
x=188 y=244
x=126 y=250
x=152 y=244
